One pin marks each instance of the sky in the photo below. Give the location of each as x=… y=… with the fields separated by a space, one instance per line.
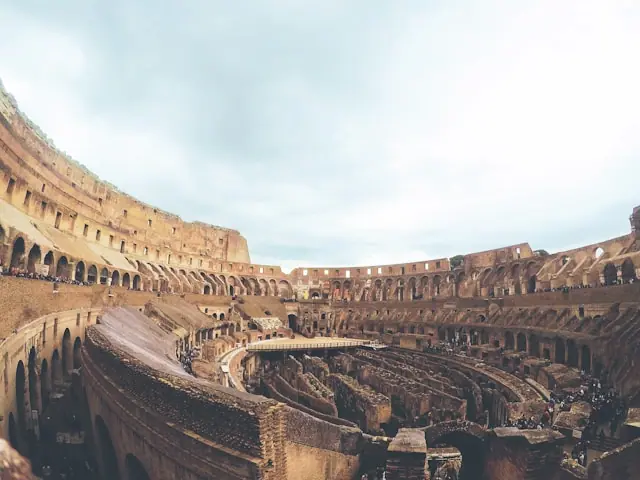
x=336 y=133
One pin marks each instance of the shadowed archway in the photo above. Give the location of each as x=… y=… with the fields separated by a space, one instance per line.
x=135 y=468
x=109 y=460
x=469 y=438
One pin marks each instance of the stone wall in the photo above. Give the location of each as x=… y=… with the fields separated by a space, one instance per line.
x=218 y=414
x=361 y=404
x=621 y=463
x=318 y=450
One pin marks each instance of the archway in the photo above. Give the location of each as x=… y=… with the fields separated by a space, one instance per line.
x=572 y=353
x=534 y=345
x=62 y=268
x=107 y=450
x=13 y=432
x=531 y=284
x=628 y=270
x=17 y=253
x=67 y=357
x=207 y=289
x=45 y=383
x=34 y=258
x=509 y=342
x=104 y=275
x=56 y=368
x=77 y=358
x=126 y=280
x=586 y=358
x=284 y=289
x=80 y=271
x=522 y=342
x=21 y=404
x=136 y=282
x=135 y=469
x=35 y=398
x=610 y=274
x=467 y=437
x=48 y=260
x=92 y=274
x=115 y=278
x=560 y=351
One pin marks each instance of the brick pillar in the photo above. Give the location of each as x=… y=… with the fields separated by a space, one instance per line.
x=407 y=456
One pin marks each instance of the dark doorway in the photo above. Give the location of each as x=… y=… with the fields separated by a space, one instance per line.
x=107 y=451
x=135 y=469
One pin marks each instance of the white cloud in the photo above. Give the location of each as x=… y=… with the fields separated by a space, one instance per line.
x=449 y=130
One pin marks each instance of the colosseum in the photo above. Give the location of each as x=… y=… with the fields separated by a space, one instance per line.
x=136 y=345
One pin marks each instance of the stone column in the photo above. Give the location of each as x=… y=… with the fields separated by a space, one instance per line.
x=407 y=456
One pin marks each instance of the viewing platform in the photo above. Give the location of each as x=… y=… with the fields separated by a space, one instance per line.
x=303 y=344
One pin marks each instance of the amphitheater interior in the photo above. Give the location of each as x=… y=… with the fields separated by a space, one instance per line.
x=136 y=345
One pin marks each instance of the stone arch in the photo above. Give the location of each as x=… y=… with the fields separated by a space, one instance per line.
x=293 y=321
x=115 y=278
x=14 y=437
x=284 y=289
x=412 y=288
x=273 y=287
x=35 y=393
x=49 y=260
x=56 y=368
x=585 y=358
x=264 y=286
x=107 y=451
x=67 y=353
x=560 y=351
x=534 y=345
x=572 y=353
x=469 y=438
x=531 y=284
x=62 y=267
x=45 y=383
x=207 y=289
x=34 y=258
x=21 y=404
x=104 y=276
x=77 y=357
x=136 y=282
x=628 y=270
x=509 y=341
x=126 y=280
x=17 y=253
x=436 y=284
x=92 y=274
x=80 y=271
x=521 y=341
x=610 y=274
x=135 y=468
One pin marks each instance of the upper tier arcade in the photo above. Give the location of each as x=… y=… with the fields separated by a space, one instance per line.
x=44 y=182
x=56 y=217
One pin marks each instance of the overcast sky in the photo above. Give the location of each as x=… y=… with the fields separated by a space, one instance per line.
x=340 y=132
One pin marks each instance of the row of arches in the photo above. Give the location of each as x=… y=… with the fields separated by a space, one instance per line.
x=134 y=469
x=515 y=279
x=28 y=262
x=556 y=349
x=36 y=383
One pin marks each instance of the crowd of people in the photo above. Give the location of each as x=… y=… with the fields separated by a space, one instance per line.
x=565 y=288
x=19 y=273
x=186 y=358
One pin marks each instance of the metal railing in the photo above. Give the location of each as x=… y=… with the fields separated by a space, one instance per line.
x=307 y=346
